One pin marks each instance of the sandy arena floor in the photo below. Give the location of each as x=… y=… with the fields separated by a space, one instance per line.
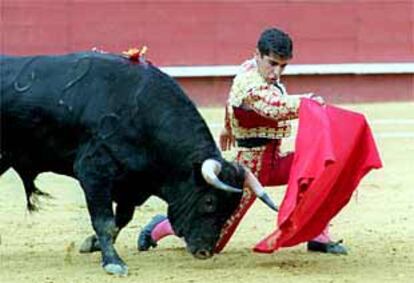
x=377 y=226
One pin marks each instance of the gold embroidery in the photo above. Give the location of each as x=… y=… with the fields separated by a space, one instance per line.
x=249 y=88
x=251 y=158
x=281 y=130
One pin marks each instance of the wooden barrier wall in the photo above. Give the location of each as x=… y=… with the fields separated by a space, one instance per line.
x=211 y=32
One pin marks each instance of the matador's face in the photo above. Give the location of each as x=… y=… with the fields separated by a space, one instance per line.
x=270 y=66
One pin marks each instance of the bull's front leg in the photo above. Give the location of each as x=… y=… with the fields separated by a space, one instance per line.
x=96 y=170
x=103 y=221
x=124 y=214
x=95 y=173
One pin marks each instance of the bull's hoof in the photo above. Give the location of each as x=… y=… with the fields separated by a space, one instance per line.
x=90 y=245
x=116 y=269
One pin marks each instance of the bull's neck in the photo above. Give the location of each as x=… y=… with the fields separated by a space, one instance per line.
x=185 y=137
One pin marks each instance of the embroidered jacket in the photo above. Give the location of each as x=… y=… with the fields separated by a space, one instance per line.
x=256 y=109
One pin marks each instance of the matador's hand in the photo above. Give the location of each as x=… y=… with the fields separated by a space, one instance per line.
x=318 y=99
x=227 y=140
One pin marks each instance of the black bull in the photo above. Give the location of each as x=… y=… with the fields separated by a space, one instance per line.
x=125 y=131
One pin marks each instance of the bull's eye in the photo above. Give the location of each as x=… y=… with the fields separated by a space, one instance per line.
x=209 y=204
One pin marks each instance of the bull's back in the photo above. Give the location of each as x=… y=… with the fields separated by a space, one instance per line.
x=42 y=102
x=51 y=105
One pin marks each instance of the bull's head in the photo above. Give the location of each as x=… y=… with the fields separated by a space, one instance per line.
x=209 y=198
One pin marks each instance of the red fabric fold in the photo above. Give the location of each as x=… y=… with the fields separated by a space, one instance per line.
x=334 y=149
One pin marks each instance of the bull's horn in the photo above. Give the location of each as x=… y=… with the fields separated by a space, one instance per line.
x=210 y=169
x=252 y=182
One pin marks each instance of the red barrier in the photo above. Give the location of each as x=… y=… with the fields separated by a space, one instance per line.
x=216 y=32
x=334 y=88
x=212 y=32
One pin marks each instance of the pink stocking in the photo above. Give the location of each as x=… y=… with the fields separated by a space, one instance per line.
x=323 y=237
x=162 y=230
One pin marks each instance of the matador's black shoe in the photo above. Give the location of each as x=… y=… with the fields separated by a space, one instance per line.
x=145 y=241
x=330 y=247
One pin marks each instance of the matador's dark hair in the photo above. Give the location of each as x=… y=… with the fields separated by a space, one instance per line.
x=273 y=40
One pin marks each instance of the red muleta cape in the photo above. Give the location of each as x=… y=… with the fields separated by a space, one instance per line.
x=334 y=149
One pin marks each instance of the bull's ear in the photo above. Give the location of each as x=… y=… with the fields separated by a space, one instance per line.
x=239 y=169
x=198 y=177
